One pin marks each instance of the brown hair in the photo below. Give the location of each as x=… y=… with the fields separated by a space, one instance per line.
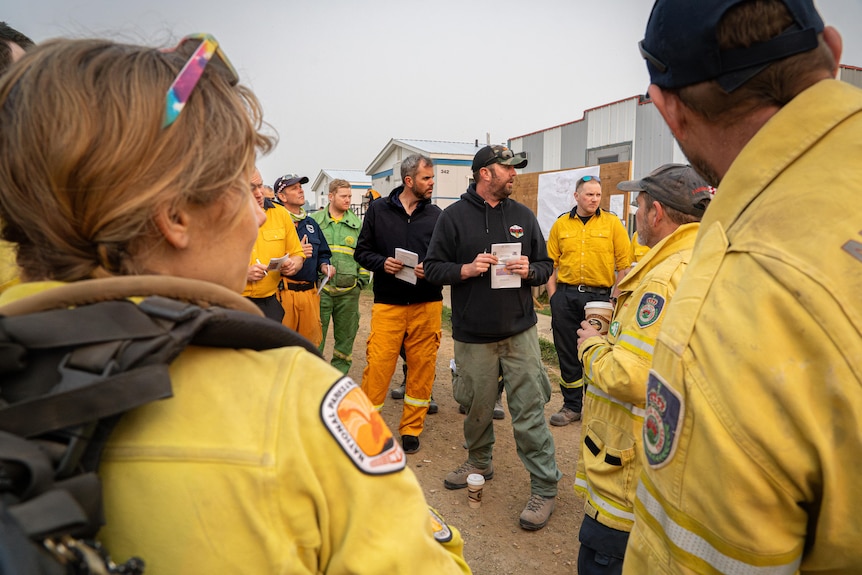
x=87 y=164
x=338 y=183
x=743 y=25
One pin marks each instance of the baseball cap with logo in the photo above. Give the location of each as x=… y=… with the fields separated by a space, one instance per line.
x=676 y=186
x=498 y=155
x=287 y=181
x=681 y=48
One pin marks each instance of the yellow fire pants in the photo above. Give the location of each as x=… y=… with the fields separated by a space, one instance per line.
x=418 y=327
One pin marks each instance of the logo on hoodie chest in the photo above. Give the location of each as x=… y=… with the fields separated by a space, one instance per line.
x=516 y=231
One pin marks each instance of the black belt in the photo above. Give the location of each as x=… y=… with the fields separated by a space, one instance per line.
x=589 y=289
x=296 y=286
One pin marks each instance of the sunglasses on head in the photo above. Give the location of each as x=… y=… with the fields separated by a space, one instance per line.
x=586 y=179
x=183 y=85
x=659 y=65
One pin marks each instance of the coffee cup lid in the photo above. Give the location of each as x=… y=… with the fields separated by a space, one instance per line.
x=601 y=304
x=475 y=479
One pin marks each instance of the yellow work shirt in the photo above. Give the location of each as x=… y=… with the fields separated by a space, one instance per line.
x=589 y=254
x=276 y=237
x=638 y=250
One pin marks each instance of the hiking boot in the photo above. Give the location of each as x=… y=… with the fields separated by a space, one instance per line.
x=498 y=409
x=537 y=512
x=433 y=407
x=397 y=392
x=458 y=478
x=410 y=443
x=564 y=417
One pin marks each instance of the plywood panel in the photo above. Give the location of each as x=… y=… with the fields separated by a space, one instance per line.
x=526 y=186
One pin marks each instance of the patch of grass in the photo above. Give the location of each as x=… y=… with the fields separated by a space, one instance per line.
x=447 y=318
x=542 y=304
x=549 y=352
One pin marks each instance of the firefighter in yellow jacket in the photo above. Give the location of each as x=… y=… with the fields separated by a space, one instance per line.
x=752 y=443
x=259 y=461
x=671 y=201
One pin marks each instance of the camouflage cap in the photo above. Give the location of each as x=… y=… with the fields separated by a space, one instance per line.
x=287 y=181
x=498 y=155
x=675 y=185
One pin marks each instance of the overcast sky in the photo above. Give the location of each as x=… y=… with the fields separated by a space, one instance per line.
x=339 y=78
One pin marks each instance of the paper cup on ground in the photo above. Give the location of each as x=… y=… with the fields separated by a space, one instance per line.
x=599 y=314
x=475 y=483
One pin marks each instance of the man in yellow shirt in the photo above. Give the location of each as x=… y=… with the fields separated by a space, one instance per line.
x=276 y=238
x=588 y=245
x=752 y=442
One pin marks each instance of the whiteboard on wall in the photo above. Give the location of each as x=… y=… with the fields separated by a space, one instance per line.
x=556 y=194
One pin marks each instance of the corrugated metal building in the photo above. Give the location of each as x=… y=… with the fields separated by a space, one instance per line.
x=627 y=130
x=452 y=161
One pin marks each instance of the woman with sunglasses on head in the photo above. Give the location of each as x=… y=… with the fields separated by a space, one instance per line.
x=121 y=161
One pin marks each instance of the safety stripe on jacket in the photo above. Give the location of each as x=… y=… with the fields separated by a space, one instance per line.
x=630 y=407
x=603 y=505
x=640 y=346
x=696 y=546
x=346 y=250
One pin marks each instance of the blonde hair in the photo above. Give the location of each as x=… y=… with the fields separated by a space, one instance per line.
x=87 y=165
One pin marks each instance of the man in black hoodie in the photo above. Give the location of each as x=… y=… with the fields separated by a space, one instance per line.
x=405 y=310
x=495 y=329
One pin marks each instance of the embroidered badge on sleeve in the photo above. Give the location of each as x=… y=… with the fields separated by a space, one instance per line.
x=664 y=411
x=649 y=309
x=360 y=431
x=442 y=533
x=516 y=231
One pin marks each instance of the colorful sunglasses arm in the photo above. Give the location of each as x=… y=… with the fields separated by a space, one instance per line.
x=179 y=92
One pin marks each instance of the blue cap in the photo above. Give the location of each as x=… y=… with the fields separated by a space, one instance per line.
x=680 y=45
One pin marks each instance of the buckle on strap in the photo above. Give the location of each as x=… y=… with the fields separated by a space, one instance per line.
x=582 y=288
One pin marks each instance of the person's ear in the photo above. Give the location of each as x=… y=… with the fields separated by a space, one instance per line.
x=174 y=223
x=833 y=40
x=671 y=109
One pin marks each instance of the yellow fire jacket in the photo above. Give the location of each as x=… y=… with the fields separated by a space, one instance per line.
x=275 y=238
x=752 y=441
x=264 y=462
x=615 y=370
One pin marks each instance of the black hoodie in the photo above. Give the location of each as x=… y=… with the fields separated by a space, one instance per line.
x=468 y=228
x=386 y=227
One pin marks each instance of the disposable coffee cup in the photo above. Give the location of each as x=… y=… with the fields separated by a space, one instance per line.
x=475 y=483
x=599 y=314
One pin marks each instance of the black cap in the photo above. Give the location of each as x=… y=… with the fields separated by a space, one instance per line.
x=681 y=48
x=498 y=155
x=676 y=186
x=287 y=181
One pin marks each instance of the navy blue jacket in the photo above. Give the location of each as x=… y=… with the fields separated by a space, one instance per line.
x=386 y=227
x=311 y=267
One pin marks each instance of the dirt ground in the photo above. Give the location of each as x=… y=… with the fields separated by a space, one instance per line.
x=494 y=543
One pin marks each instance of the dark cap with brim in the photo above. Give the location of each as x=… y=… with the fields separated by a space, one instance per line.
x=676 y=186
x=681 y=48
x=287 y=181
x=498 y=155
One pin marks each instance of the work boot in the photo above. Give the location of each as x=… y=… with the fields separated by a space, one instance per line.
x=458 y=479
x=433 y=407
x=537 y=512
x=410 y=443
x=498 y=408
x=564 y=417
x=398 y=392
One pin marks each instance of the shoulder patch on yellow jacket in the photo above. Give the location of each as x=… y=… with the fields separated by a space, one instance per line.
x=442 y=533
x=664 y=413
x=360 y=431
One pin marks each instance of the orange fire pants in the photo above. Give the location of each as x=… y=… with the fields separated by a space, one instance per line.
x=418 y=327
x=302 y=313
